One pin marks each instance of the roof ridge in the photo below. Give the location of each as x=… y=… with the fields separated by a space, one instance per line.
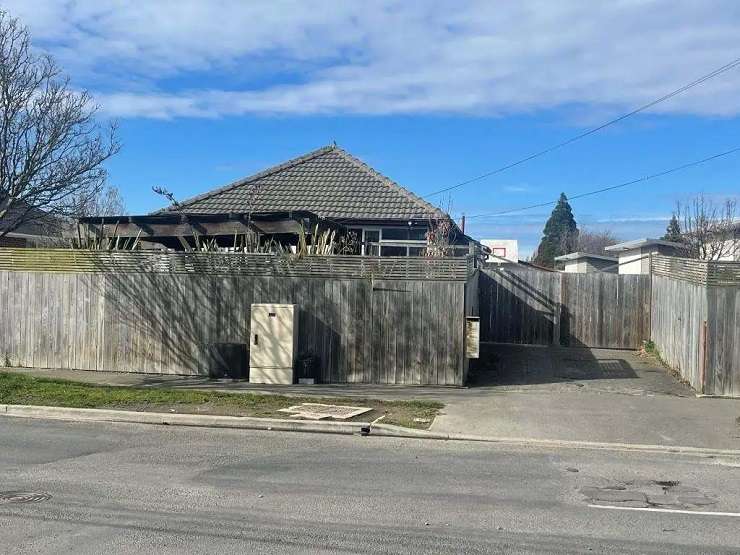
x=246 y=180
x=389 y=182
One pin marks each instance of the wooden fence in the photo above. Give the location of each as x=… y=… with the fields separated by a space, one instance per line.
x=578 y=310
x=689 y=308
x=696 y=329
x=363 y=330
x=235 y=264
x=702 y=272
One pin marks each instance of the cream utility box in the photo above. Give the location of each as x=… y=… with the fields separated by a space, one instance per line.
x=273 y=343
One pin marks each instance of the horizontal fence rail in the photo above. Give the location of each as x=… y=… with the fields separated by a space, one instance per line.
x=701 y=272
x=235 y=264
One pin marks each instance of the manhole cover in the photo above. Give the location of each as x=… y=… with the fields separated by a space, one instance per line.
x=319 y=411
x=23 y=497
x=648 y=493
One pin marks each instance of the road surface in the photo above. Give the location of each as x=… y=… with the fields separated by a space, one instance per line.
x=120 y=488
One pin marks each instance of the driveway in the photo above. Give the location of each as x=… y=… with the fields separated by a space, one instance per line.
x=597 y=395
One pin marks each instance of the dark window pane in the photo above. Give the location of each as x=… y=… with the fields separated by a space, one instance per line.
x=372 y=236
x=393 y=251
x=417 y=251
x=395 y=233
x=418 y=233
x=372 y=250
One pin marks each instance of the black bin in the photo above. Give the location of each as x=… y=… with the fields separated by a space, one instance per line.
x=228 y=360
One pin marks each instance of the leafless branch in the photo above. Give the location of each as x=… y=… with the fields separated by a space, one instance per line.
x=51 y=146
x=710 y=231
x=594 y=242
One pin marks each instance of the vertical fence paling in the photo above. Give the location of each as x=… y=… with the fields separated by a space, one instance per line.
x=578 y=310
x=696 y=321
x=368 y=320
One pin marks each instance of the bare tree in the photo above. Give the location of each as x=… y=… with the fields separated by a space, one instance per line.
x=594 y=242
x=440 y=237
x=51 y=146
x=709 y=231
x=107 y=202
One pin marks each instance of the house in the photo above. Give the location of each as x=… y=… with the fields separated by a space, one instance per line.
x=634 y=256
x=731 y=247
x=340 y=190
x=502 y=250
x=584 y=262
x=38 y=229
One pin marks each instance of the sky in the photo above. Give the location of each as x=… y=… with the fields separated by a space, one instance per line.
x=429 y=93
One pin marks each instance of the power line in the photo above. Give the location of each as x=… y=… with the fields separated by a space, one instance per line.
x=699 y=81
x=611 y=188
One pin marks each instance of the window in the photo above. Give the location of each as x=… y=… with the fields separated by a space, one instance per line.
x=394 y=241
x=404 y=233
x=372 y=235
x=418 y=234
x=392 y=251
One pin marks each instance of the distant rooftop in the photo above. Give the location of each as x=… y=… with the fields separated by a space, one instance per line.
x=639 y=243
x=584 y=255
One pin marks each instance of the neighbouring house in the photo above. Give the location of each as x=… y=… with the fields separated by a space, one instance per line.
x=329 y=187
x=38 y=229
x=584 y=262
x=731 y=247
x=634 y=256
x=502 y=250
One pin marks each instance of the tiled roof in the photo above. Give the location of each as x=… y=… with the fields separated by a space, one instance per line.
x=328 y=182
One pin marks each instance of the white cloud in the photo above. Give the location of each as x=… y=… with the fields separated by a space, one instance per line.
x=190 y=58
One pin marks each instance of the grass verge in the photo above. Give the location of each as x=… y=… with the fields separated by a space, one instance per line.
x=19 y=389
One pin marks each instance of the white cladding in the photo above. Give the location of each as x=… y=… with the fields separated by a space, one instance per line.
x=273 y=343
x=631 y=261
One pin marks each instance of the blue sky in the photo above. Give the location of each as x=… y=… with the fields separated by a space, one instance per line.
x=429 y=93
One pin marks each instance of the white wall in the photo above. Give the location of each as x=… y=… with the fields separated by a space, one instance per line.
x=630 y=263
x=507 y=248
x=574 y=267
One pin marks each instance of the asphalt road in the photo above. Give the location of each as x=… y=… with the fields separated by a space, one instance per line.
x=119 y=488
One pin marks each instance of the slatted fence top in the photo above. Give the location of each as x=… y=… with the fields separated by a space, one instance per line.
x=90 y=261
x=702 y=272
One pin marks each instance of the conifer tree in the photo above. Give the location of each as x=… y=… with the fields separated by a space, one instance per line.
x=560 y=235
x=673 y=231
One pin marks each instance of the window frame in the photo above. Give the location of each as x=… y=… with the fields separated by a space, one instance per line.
x=381 y=242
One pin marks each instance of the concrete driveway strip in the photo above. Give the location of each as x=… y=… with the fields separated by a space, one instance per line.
x=121 y=488
x=612 y=418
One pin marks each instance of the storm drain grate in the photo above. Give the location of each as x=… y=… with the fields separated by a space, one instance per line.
x=23 y=497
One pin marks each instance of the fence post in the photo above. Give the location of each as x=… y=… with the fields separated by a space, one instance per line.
x=703 y=361
x=557 y=313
